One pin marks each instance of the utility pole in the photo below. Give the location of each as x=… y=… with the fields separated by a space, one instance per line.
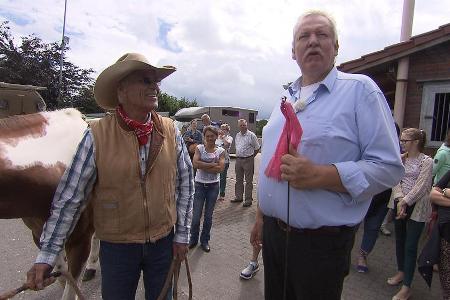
x=63 y=45
x=403 y=63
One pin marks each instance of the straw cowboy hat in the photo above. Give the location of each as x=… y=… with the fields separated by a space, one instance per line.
x=105 y=89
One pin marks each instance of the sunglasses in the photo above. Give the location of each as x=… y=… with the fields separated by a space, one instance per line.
x=147 y=80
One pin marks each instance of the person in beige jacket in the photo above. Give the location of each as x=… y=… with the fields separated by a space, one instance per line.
x=133 y=167
x=410 y=200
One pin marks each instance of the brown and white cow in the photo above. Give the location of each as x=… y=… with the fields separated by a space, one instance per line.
x=34 y=152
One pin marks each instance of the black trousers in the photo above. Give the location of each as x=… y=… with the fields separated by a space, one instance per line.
x=318 y=262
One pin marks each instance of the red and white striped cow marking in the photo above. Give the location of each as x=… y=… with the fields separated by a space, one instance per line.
x=35 y=150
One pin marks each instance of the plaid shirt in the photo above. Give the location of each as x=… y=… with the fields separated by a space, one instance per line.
x=77 y=182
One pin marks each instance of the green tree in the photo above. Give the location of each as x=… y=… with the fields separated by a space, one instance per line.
x=37 y=63
x=172 y=104
x=84 y=101
x=259 y=126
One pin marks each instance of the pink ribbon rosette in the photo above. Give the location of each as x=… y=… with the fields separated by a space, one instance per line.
x=292 y=134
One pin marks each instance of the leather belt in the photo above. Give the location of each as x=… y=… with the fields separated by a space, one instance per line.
x=244 y=157
x=324 y=230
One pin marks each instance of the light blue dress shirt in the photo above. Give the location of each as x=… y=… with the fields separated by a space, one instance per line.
x=347 y=123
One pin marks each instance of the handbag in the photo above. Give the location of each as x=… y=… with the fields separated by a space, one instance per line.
x=430 y=255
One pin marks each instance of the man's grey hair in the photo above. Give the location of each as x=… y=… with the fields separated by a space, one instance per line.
x=316 y=13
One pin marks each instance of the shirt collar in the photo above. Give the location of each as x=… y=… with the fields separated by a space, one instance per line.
x=327 y=82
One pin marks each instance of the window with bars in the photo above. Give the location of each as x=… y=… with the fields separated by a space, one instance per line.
x=435 y=111
x=230 y=113
x=440 y=116
x=251 y=118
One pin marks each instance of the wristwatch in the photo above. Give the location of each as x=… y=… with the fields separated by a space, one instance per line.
x=443 y=192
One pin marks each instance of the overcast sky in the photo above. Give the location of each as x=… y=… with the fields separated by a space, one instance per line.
x=227 y=52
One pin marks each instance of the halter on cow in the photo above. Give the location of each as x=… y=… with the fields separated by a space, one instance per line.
x=34 y=152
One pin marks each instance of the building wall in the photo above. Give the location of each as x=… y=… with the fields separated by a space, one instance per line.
x=432 y=63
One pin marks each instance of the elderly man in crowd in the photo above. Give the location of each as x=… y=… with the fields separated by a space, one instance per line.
x=206 y=121
x=247 y=147
x=135 y=169
x=192 y=137
x=349 y=152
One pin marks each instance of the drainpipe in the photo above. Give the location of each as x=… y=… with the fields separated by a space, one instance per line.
x=403 y=63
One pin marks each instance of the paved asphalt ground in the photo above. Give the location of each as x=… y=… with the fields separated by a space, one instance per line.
x=215 y=275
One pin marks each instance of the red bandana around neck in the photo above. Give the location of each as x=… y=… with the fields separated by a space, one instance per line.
x=142 y=130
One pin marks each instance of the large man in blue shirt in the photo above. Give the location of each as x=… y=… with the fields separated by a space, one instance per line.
x=348 y=153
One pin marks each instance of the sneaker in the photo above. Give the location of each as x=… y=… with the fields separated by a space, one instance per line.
x=384 y=230
x=247 y=204
x=89 y=274
x=250 y=270
x=236 y=200
x=361 y=267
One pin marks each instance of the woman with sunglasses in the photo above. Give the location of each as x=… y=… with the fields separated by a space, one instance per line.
x=411 y=203
x=209 y=160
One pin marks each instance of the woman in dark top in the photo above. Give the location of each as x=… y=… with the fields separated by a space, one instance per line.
x=440 y=197
x=192 y=137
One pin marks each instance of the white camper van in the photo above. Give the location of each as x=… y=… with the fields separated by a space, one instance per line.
x=17 y=99
x=220 y=114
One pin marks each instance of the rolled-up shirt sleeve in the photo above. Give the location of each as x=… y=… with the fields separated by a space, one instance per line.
x=184 y=191
x=352 y=178
x=380 y=166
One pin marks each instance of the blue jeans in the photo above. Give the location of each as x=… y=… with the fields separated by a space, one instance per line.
x=122 y=263
x=205 y=195
x=223 y=179
x=372 y=226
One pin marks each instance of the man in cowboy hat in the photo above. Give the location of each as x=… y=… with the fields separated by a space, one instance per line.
x=134 y=168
